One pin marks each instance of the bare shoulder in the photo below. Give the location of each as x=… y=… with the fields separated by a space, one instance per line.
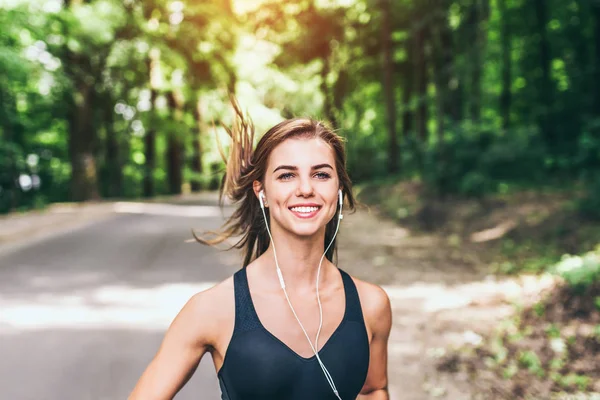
x=210 y=312
x=376 y=306
x=209 y=300
x=214 y=302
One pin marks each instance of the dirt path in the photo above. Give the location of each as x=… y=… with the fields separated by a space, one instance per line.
x=440 y=298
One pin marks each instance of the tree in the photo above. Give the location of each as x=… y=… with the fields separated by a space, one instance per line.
x=421 y=30
x=505 y=38
x=388 y=84
x=596 y=21
x=477 y=15
x=544 y=83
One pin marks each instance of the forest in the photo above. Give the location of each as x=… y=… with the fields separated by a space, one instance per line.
x=471 y=99
x=104 y=99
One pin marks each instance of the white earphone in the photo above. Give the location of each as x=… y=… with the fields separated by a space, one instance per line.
x=261 y=196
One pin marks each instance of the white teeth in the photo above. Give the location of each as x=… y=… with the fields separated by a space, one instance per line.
x=304 y=209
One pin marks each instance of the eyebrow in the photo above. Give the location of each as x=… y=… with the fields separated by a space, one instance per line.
x=294 y=168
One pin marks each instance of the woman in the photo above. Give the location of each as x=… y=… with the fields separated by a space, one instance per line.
x=289 y=324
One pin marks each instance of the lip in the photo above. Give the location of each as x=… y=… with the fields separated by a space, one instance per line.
x=305 y=215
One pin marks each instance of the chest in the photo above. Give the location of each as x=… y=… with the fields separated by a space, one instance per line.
x=276 y=316
x=260 y=366
x=269 y=357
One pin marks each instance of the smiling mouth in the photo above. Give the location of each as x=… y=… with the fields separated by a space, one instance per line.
x=305 y=212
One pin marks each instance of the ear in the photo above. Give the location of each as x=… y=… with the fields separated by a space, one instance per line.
x=257 y=187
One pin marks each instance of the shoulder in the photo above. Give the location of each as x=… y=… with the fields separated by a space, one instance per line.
x=376 y=307
x=208 y=300
x=210 y=312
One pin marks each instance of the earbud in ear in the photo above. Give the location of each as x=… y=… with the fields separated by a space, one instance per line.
x=262 y=198
x=341 y=201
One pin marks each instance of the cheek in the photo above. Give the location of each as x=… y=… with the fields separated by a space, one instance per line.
x=282 y=192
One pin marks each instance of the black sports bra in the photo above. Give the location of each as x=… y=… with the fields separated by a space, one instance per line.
x=258 y=365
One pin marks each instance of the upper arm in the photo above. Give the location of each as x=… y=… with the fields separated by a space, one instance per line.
x=189 y=337
x=378 y=316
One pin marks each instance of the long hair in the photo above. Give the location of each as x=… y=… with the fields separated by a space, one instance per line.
x=245 y=165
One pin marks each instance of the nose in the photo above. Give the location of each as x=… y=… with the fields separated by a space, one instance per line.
x=305 y=188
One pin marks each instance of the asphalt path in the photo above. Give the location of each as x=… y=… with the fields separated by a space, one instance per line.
x=83 y=312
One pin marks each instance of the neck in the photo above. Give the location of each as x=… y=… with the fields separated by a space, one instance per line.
x=298 y=259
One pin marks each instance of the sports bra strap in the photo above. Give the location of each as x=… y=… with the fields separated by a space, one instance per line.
x=353 y=308
x=246 y=318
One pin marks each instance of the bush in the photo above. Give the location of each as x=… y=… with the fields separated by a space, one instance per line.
x=589 y=205
x=475 y=161
x=580 y=272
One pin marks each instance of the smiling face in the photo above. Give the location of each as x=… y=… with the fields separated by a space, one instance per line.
x=301 y=186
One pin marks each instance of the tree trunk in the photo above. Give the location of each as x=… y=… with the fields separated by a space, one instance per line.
x=328 y=107
x=174 y=149
x=407 y=91
x=197 y=146
x=596 y=78
x=505 y=39
x=82 y=138
x=150 y=155
x=81 y=130
x=113 y=157
x=453 y=98
x=446 y=82
x=440 y=98
x=477 y=17
x=545 y=84
x=8 y=111
x=388 y=86
x=420 y=71
x=155 y=78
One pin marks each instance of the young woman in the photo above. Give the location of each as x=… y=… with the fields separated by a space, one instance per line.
x=289 y=325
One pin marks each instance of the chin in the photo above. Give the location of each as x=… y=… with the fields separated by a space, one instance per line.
x=305 y=230
x=305 y=233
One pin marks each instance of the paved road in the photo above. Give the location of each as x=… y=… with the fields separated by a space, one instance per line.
x=83 y=312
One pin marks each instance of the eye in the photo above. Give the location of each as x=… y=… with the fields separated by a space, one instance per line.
x=286 y=176
x=323 y=175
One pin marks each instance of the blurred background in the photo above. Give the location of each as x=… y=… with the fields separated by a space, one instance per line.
x=473 y=141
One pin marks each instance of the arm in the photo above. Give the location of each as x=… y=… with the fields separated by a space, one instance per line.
x=184 y=344
x=378 y=315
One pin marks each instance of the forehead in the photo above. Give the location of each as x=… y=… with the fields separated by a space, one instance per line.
x=302 y=152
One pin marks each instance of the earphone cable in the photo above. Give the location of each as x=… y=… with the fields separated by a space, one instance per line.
x=282 y=283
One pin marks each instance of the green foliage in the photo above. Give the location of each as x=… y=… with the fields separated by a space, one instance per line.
x=510 y=370
x=531 y=361
x=573 y=381
x=475 y=162
x=590 y=204
x=580 y=272
x=539 y=309
x=499 y=350
x=556 y=364
x=12 y=162
x=553 y=331
x=94 y=24
x=482 y=99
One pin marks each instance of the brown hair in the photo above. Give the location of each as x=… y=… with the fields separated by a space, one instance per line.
x=245 y=165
